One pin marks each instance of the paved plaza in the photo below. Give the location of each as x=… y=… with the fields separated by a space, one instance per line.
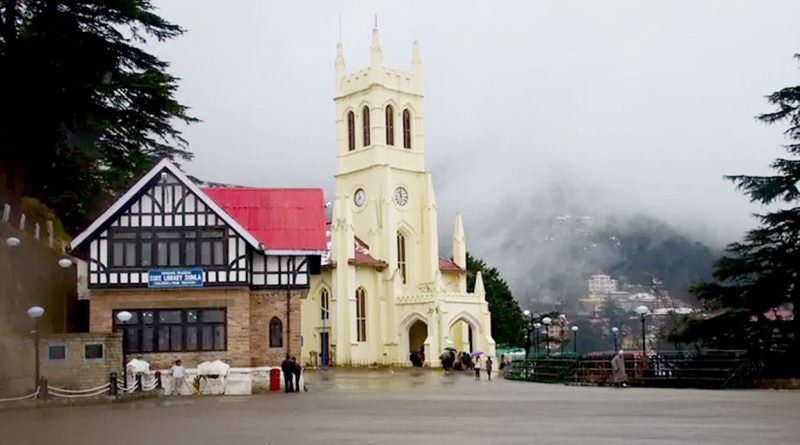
x=421 y=407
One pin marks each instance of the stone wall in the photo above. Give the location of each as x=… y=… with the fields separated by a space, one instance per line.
x=76 y=371
x=263 y=307
x=29 y=276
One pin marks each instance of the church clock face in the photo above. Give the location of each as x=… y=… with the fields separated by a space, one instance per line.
x=400 y=196
x=360 y=197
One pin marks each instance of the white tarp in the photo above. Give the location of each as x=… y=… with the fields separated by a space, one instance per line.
x=136 y=366
x=216 y=368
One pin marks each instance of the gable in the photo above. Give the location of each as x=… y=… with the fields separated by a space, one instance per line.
x=163 y=197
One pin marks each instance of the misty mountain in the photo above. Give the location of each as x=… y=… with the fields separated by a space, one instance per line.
x=557 y=253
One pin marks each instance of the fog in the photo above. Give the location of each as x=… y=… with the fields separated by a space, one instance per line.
x=532 y=109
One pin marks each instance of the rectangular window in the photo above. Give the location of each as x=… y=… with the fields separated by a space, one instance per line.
x=57 y=352
x=174 y=330
x=123 y=248
x=93 y=351
x=168 y=248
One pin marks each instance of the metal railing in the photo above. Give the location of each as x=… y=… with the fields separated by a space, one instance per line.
x=713 y=370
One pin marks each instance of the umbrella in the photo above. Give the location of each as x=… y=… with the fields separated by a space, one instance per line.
x=450 y=348
x=477 y=353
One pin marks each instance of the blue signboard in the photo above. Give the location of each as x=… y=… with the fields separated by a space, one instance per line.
x=175 y=278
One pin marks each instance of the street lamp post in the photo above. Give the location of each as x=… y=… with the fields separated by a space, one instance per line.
x=546 y=322
x=64 y=263
x=643 y=311
x=536 y=327
x=614 y=332
x=527 y=317
x=124 y=317
x=575 y=340
x=36 y=312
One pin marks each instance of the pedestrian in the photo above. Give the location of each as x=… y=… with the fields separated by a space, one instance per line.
x=477 y=366
x=489 y=367
x=618 y=374
x=296 y=370
x=178 y=377
x=286 y=367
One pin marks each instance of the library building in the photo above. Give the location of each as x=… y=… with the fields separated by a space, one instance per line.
x=202 y=274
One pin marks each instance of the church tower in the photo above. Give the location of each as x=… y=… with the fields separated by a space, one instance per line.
x=381 y=164
x=384 y=295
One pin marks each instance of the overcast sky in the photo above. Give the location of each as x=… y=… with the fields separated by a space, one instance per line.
x=636 y=106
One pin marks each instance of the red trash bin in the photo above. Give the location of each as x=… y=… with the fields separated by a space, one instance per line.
x=274 y=379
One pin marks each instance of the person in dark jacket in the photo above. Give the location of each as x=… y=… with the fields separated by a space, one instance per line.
x=296 y=370
x=288 y=373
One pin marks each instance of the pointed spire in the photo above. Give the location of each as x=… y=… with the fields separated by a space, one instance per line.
x=479 y=289
x=416 y=59
x=339 y=61
x=459 y=243
x=376 y=56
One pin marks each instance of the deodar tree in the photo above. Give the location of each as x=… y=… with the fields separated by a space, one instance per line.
x=84 y=108
x=752 y=303
x=507 y=323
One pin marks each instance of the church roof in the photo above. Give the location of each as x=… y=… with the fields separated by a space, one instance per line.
x=290 y=220
x=363 y=257
x=449 y=266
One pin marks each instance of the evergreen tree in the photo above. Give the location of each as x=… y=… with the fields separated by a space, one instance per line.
x=507 y=323
x=758 y=279
x=84 y=108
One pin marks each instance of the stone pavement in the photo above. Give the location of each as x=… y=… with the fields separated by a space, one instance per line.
x=422 y=407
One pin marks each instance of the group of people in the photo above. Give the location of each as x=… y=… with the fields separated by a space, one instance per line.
x=464 y=361
x=291 y=374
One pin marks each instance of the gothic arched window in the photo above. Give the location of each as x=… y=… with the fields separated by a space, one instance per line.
x=389 y=125
x=365 y=124
x=275 y=333
x=406 y=128
x=351 y=131
x=361 y=314
x=401 y=255
x=324 y=305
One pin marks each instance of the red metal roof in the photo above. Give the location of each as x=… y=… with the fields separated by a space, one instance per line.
x=280 y=219
x=447 y=265
x=363 y=256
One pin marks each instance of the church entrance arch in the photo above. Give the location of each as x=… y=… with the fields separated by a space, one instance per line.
x=464 y=332
x=417 y=334
x=414 y=332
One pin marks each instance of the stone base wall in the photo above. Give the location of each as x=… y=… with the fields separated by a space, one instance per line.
x=76 y=371
x=248 y=315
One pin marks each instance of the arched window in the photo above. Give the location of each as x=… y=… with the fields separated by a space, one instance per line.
x=406 y=128
x=275 y=333
x=401 y=255
x=361 y=314
x=351 y=131
x=389 y=125
x=324 y=305
x=365 y=124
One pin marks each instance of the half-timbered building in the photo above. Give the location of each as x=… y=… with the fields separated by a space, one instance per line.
x=206 y=273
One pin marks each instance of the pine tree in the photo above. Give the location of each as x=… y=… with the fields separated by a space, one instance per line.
x=507 y=323
x=84 y=108
x=758 y=279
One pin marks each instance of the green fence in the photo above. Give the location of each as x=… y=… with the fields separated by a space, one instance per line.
x=717 y=370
